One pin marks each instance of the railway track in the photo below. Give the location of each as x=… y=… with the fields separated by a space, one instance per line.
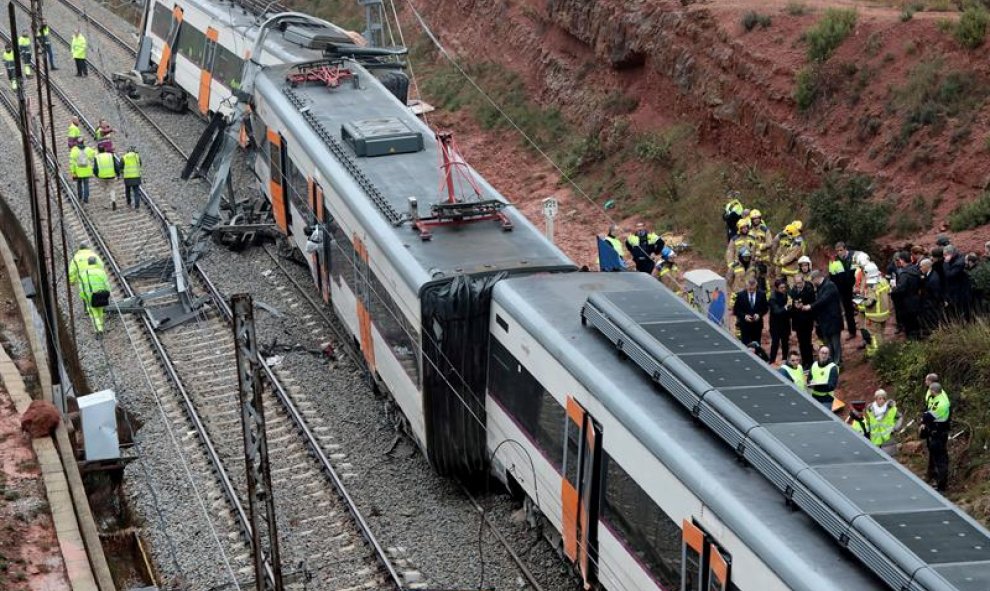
x=122 y=54
x=323 y=535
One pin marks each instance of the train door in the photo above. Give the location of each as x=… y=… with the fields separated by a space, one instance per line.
x=321 y=258
x=206 y=73
x=165 y=63
x=276 y=184
x=581 y=489
x=362 y=294
x=705 y=566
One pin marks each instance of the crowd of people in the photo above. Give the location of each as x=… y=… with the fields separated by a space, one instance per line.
x=775 y=287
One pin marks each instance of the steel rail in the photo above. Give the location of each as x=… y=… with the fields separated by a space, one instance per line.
x=103 y=28
x=108 y=82
x=281 y=394
x=97 y=239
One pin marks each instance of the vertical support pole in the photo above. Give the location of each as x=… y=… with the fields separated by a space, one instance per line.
x=550 y=208
x=51 y=328
x=259 y=476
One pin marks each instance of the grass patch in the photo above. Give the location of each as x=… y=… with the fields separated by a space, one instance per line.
x=971 y=29
x=843 y=209
x=933 y=93
x=659 y=147
x=907 y=14
x=960 y=355
x=795 y=8
x=971 y=215
x=448 y=89
x=753 y=19
x=829 y=32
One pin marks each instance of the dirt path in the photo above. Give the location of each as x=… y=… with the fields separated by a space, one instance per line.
x=30 y=559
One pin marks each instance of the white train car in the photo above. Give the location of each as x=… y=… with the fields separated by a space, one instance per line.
x=644 y=498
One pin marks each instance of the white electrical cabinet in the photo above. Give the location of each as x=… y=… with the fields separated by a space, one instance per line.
x=707 y=289
x=98 y=413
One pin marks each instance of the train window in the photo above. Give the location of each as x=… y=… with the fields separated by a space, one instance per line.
x=192 y=44
x=298 y=191
x=646 y=531
x=260 y=132
x=227 y=68
x=397 y=331
x=161 y=21
x=573 y=443
x=275 y=162
x=536 y=412
x=342 y=257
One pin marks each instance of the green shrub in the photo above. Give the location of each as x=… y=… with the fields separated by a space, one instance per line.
x=752 y=19
x=933 y=93
x=842 y=209
x=971 y=29
x=829 y=32
x=806 y=87
x=907 y=14
x=971 y=215
x=795 y=8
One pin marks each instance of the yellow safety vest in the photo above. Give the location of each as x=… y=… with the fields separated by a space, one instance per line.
x=105 y=166
x=132 y=165
x=821 y=374
x=74 y=130
x=881 y=430
x=8 y=56
x=78 y=47
x=80 y=263
x=24 y=42
x=797 y=376
x=616 y=244
x=938 y=406
x=81 y=167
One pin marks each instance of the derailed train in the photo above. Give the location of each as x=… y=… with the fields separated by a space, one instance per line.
x=663 y=454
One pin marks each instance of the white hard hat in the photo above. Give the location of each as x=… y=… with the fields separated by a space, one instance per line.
x=804 y=259
x=862 y=259
x=872 y=272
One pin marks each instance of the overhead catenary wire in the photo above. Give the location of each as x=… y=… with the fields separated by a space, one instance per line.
x=529 y=140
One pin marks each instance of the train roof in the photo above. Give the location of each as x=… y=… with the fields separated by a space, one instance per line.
x=243 y=21
x=377 y=189
x=792 y=545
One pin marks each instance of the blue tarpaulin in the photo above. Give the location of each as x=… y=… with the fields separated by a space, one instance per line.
x=608 y=259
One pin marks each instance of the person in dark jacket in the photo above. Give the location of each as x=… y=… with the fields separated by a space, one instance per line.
x=802 y=293
x=932 y=302
x=958 y=293
x=843 y=275
x=827 y=309
x=906 y=295
x=780 y=321
x=750 y=308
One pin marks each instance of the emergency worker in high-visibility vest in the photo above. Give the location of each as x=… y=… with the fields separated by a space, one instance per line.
x=24 y=48
x=79 y=47
x=81 y=158
x=132 y=177
x=106 y=170
x=80 y=262
x=8 y=64
x=884 y=419
x=73 y=134
x=875 y=306
x=935 y=429
x=94 y=288
x=45 y=43
x=793 y=371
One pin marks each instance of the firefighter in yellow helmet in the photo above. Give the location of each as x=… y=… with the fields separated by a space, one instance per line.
x=742 y=240
x=790 y=248
x=875 y=306
x=762 y=243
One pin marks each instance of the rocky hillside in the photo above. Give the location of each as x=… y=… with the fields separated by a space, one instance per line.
x=783 y=92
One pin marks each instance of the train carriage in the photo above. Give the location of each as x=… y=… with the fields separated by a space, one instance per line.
x=479 y=335
x=631 y=481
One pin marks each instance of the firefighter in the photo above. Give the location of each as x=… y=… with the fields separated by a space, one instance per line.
x=740 y=271
x=875 y=306
x=668 y=272
x=762 y=241
x=732 y=214
x=790 y=248
x=643 y=245
x=741 y=240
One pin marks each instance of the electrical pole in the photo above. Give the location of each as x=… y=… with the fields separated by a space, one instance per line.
x=261 y=500
x=42 y=60
x=51 y=328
